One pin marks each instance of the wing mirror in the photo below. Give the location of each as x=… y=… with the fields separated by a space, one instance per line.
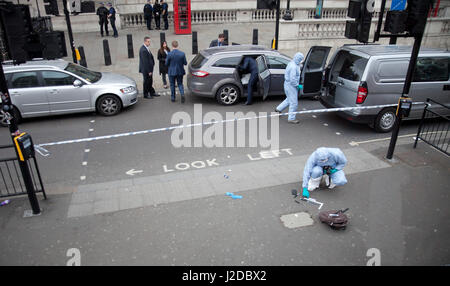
x=77 y=83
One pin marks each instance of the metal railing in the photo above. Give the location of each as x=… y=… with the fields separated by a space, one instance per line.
x=434 y=127
x=11 y=180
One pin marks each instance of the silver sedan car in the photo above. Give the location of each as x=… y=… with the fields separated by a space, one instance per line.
x=41 y=88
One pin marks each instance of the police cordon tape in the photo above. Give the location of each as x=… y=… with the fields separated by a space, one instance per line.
x=39 y=147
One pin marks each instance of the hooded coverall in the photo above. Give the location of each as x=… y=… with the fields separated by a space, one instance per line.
x=314 y=168
x=291 y=82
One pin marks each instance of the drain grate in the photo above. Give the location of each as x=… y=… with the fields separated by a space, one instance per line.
x=297 y=220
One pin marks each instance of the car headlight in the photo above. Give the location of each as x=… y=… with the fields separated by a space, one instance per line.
x=128 y=89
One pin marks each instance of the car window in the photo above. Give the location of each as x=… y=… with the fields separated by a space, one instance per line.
x=431 y=69
x=230 y=62
x=277 y=63
x=88 y=75
x=316 y=59
x=54 y=78
x=261 y=65
x=24 y=80
x=392 y=70
x=352 y=67
x=198 y=61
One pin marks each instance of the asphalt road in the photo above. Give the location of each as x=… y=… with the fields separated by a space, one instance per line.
x=105 y=160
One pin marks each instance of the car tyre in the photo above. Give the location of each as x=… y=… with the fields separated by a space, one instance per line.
x=385 y=120
x=109 y=105
x=16 y=114
x=228 y=94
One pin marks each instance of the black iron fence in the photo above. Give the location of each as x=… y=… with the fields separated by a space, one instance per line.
x=11 y=180
x=434 y=127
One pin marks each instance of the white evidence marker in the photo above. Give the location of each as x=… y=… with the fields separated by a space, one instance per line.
x=84 y=163
x=83 y=178
x=325 y=124
x=90 y=130
x=92 y=121
x=338 y=133
x=87 y=150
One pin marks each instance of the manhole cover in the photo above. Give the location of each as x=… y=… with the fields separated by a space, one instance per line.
x=297 y=220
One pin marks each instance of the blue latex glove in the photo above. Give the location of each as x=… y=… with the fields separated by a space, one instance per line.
x=305 y=193
x=300 y=86
x=332 y=171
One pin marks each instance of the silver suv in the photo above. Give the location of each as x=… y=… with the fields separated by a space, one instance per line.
x=213 y=73
x=40 y=88
x=368 y=75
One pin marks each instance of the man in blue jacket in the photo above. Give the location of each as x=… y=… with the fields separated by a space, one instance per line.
x=324 y=161
x=291 y=87
x=146 y=65
x=249 y=65
x=148 y=14
x=112 y=19
x=175 y=61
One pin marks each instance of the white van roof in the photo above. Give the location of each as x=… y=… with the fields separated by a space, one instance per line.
x=379 y=50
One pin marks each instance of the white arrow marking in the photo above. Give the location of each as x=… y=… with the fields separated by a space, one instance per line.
x=133 y=171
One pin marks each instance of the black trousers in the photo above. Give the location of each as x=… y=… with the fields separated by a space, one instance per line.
x=148 y=85
x=113 y=25
x=104 y=24
x=158 y=21
x=166 y=22
x=149 y=22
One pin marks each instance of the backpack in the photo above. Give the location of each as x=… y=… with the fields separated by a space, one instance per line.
x=335 y=218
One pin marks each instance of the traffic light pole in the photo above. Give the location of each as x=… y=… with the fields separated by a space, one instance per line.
x=277 y=25
x=69 y=31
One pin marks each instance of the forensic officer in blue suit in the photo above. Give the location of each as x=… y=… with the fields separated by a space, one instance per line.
x=321 y=162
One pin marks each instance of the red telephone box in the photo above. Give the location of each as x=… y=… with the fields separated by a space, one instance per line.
x=182 y=16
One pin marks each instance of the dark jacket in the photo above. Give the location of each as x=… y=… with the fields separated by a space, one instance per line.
x=215 y=43
x=157 y=10
x=176 y=60
x=146 y=60
x=249 y=65
x=165 y=7
x=148 y=10
x=162 y=62
x=112 y=12
x=102 y=13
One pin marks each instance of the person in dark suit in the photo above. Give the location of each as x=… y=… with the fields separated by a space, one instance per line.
x=112 y=18
x=162 y=56
x=249 y=65
x=103 y=13
x=146 y=65
x=165 y=14
x=157 y=14
x=176 y=60
x=148 y=14
x=219 y=42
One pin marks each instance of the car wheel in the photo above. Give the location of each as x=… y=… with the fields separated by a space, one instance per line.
x=109 y=105
x=228 y=94
x=4 y=121
x=385 y=120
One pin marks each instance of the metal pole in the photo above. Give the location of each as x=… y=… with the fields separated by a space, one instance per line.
x=376 y=37
x=69 y=31
x=277 y=25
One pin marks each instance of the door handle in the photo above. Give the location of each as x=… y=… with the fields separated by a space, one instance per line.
x=341 y=82
x=54 y=91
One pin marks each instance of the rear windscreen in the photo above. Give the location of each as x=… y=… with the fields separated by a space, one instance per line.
x=198 y=61
x=348 y=66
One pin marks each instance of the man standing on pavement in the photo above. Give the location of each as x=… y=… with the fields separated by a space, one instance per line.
x=165 y=14
x=324 y=161
x=157 y=14
x=250 y=66
x=102 y=13
x=219 y=42
x=176 y=60
x=291 y=87
x=148 y=14
x=112 y=18
x=146 y=65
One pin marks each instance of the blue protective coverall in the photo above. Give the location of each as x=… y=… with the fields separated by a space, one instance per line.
x=322 y=157
x=291 y=83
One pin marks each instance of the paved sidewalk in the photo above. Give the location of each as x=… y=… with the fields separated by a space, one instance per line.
x=402 y=210
x=93 y=46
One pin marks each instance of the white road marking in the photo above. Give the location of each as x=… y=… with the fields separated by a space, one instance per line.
x=353 y=143
x=92 y=121
x=87 y=150
x=338 y=133
x=84 y=163
x=90 y=130
x=83 y=178
x=325 y=124
x=314 y=116
x=132 y=172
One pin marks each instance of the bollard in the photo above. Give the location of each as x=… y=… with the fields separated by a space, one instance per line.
x=83 y=57
x=106 y=53
x=225 y=32
x=255 y=37
x=162 y=38
x=194 y=43
x=130 y=46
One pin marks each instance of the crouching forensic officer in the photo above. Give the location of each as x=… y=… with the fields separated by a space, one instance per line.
x=324 y=161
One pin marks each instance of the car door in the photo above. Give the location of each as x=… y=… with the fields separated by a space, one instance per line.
x=63 y=95
x=264 y=77
x=27 y=94
x=277 y=67
x=431 y=80
x=312 y=72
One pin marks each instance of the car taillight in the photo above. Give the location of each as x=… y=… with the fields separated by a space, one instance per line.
x=362 y=94
x=200 y=73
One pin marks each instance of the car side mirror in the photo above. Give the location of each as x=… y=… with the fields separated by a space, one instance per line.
x=77 y=83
